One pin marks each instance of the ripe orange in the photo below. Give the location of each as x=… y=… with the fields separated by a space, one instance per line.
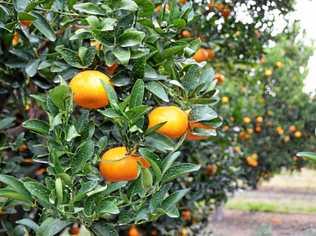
x=286 y=138
x=118 y=165
x=292 y=128
x=225 y=12
x=177 y=120
x=112 y=69
x=258 y=129
x=211 y=169
x=186 y=215
x=133 y=231
x=268 y=72
x=252 y=160
x=88 y=90
x=246 y=120
x=298 y=134
x=23 y=148
x=279 y=130
x=220 y=78
x=186 y=34
x=182 y=2
x=74 y=230
x=26 y=23
x=259 y=119
x=40 y=171
x=225 y=99
x=193 y=137
x=96 y=44
x=201 y=55
x=279 y=64
x=15 y=39
x=225 y=128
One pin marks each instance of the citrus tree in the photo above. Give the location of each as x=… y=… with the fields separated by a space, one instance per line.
x=113 y=90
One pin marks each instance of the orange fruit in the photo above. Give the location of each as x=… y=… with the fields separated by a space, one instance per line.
x=220 y=78
x=279 y=130
x=96 y=44
x=201 y=54
x=133 y=231
x=193 y=137
x=15 y=39
x=88 y=90
x=159 y=8
x=177 y=120
x=259 y=119
x=286 y=138
x=118 y=165
x=186 y=215
x=182 y=2
x=268 y=72
x=279 y=64
x=74 y=230
x=23 y=148
x=258 y=129
x=298 y=134
x=237 y=149
x=112 y=69
x=27 y=161
x=186 y=34
x=225 y=99
x=40 y=171
x=252 y=161
x=211 y=169
x=225 y=128
x=292 y=128
x=225 y=12
x=26 y=23
x=246 y=120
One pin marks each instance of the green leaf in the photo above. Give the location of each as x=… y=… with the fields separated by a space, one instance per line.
x=60 y=96
x=178 y=170
x=128 y=5
x=309 y=155
x=123 y=55
x=84 y=189
x=6 y=122
x=137 y=93
x=31 y=67
x=15 y=185
x=38 y=126
x=147 y=178
x=173 y=199
x=154 y=160
x=104 y=229
x=84 y=154
x=169 y=160
x=202 y=113
x=51 y=227
x=10 y=194
x=114 y=187
x=146 y=7
x=39 y=192
x=21 y=5
x=107 y=207
x=159 y=196
x=28 y=223
x=131 y=37
x=160 y=142
x=89 y=8
x=111 y=95
x=87 y=55
x=43 y=26
x=157 y=89
x=72 y=133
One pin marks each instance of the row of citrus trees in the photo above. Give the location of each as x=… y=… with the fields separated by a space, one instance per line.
x=144 y=101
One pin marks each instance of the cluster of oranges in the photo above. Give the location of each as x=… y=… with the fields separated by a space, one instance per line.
x=224 y=9
x=204 y=54
x=118 y=164
x=292 y=131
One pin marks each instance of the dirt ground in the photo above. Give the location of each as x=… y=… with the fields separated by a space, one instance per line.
x=294 y=189
x=238 y=223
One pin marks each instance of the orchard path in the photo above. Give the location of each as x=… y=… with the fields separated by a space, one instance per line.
x=294 y=195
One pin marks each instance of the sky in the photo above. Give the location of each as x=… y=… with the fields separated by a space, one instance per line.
x=305 y=12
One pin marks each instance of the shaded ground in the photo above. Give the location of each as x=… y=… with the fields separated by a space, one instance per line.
x=286 y=205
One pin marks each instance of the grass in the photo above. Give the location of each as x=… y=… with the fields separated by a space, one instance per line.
x=273 y=206
x=303 y=180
